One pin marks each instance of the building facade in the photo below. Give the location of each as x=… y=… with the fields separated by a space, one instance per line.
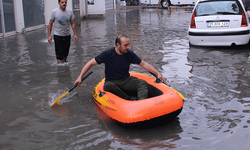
x=17 y=16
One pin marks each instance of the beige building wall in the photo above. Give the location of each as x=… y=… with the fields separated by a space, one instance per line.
x=49 y=5
x=97 y=8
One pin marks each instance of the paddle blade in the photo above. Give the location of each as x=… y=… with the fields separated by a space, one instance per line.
x=60 y=110
x=57 y=100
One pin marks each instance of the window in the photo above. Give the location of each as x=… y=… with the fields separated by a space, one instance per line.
x=33 y=12
x=218 y=7
x=8 y=12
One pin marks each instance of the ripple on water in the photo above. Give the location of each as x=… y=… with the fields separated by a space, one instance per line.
x=67 y=98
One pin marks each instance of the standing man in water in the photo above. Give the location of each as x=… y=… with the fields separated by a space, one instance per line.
x=117 y=61
x=62 y=18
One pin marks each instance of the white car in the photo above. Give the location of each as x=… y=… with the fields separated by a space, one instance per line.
x=219 y=23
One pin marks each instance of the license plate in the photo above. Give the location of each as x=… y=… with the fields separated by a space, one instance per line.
x=218 y=24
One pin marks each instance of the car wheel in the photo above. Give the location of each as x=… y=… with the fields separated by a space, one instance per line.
x=164 y=4
x=248 y=44
x=189 y=44
x=136 y=2
x=128 y=2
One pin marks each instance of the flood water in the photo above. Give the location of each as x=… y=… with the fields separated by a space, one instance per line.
x=215 y=82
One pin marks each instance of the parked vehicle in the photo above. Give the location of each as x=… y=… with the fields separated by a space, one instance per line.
x=219 y=23
x=171 y=2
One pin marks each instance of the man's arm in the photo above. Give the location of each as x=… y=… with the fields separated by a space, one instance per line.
x=73 y=25
x=151 y=69
x=50 y=25
x=85 y=69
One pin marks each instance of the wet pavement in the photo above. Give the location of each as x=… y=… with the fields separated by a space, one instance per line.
x=215 y=82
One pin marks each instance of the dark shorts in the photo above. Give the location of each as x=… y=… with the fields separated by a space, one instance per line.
x=62 y=44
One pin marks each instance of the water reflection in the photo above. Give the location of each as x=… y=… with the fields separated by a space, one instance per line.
x=23 y=50
x=63 y=77
x=219 y=81
x=218 y=71
x=60 y=110
x=160 y=136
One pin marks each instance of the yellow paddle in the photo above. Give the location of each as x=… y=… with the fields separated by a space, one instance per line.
x=57 y=100
x=158 y=80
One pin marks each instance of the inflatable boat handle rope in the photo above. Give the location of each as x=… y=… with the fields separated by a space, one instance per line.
x=158 y=80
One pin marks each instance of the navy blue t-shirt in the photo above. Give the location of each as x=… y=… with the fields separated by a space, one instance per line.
x=117 y=66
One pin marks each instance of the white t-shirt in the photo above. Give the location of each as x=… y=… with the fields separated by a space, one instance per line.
x=62 y=21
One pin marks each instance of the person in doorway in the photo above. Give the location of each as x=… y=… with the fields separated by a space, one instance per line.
x=117 y=62
x=123 y=3
x=62 y=18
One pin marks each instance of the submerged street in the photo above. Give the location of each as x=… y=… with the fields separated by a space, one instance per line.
x=215 y=82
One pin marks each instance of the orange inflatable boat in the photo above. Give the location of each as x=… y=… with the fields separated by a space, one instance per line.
x=163 y=100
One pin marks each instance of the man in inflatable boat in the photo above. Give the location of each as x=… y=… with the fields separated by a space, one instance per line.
x=117 y=61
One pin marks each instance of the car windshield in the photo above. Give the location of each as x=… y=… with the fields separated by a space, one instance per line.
x=218 y=7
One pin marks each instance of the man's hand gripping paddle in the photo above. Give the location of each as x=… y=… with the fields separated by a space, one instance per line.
x=158 y=80
x=57 y=100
